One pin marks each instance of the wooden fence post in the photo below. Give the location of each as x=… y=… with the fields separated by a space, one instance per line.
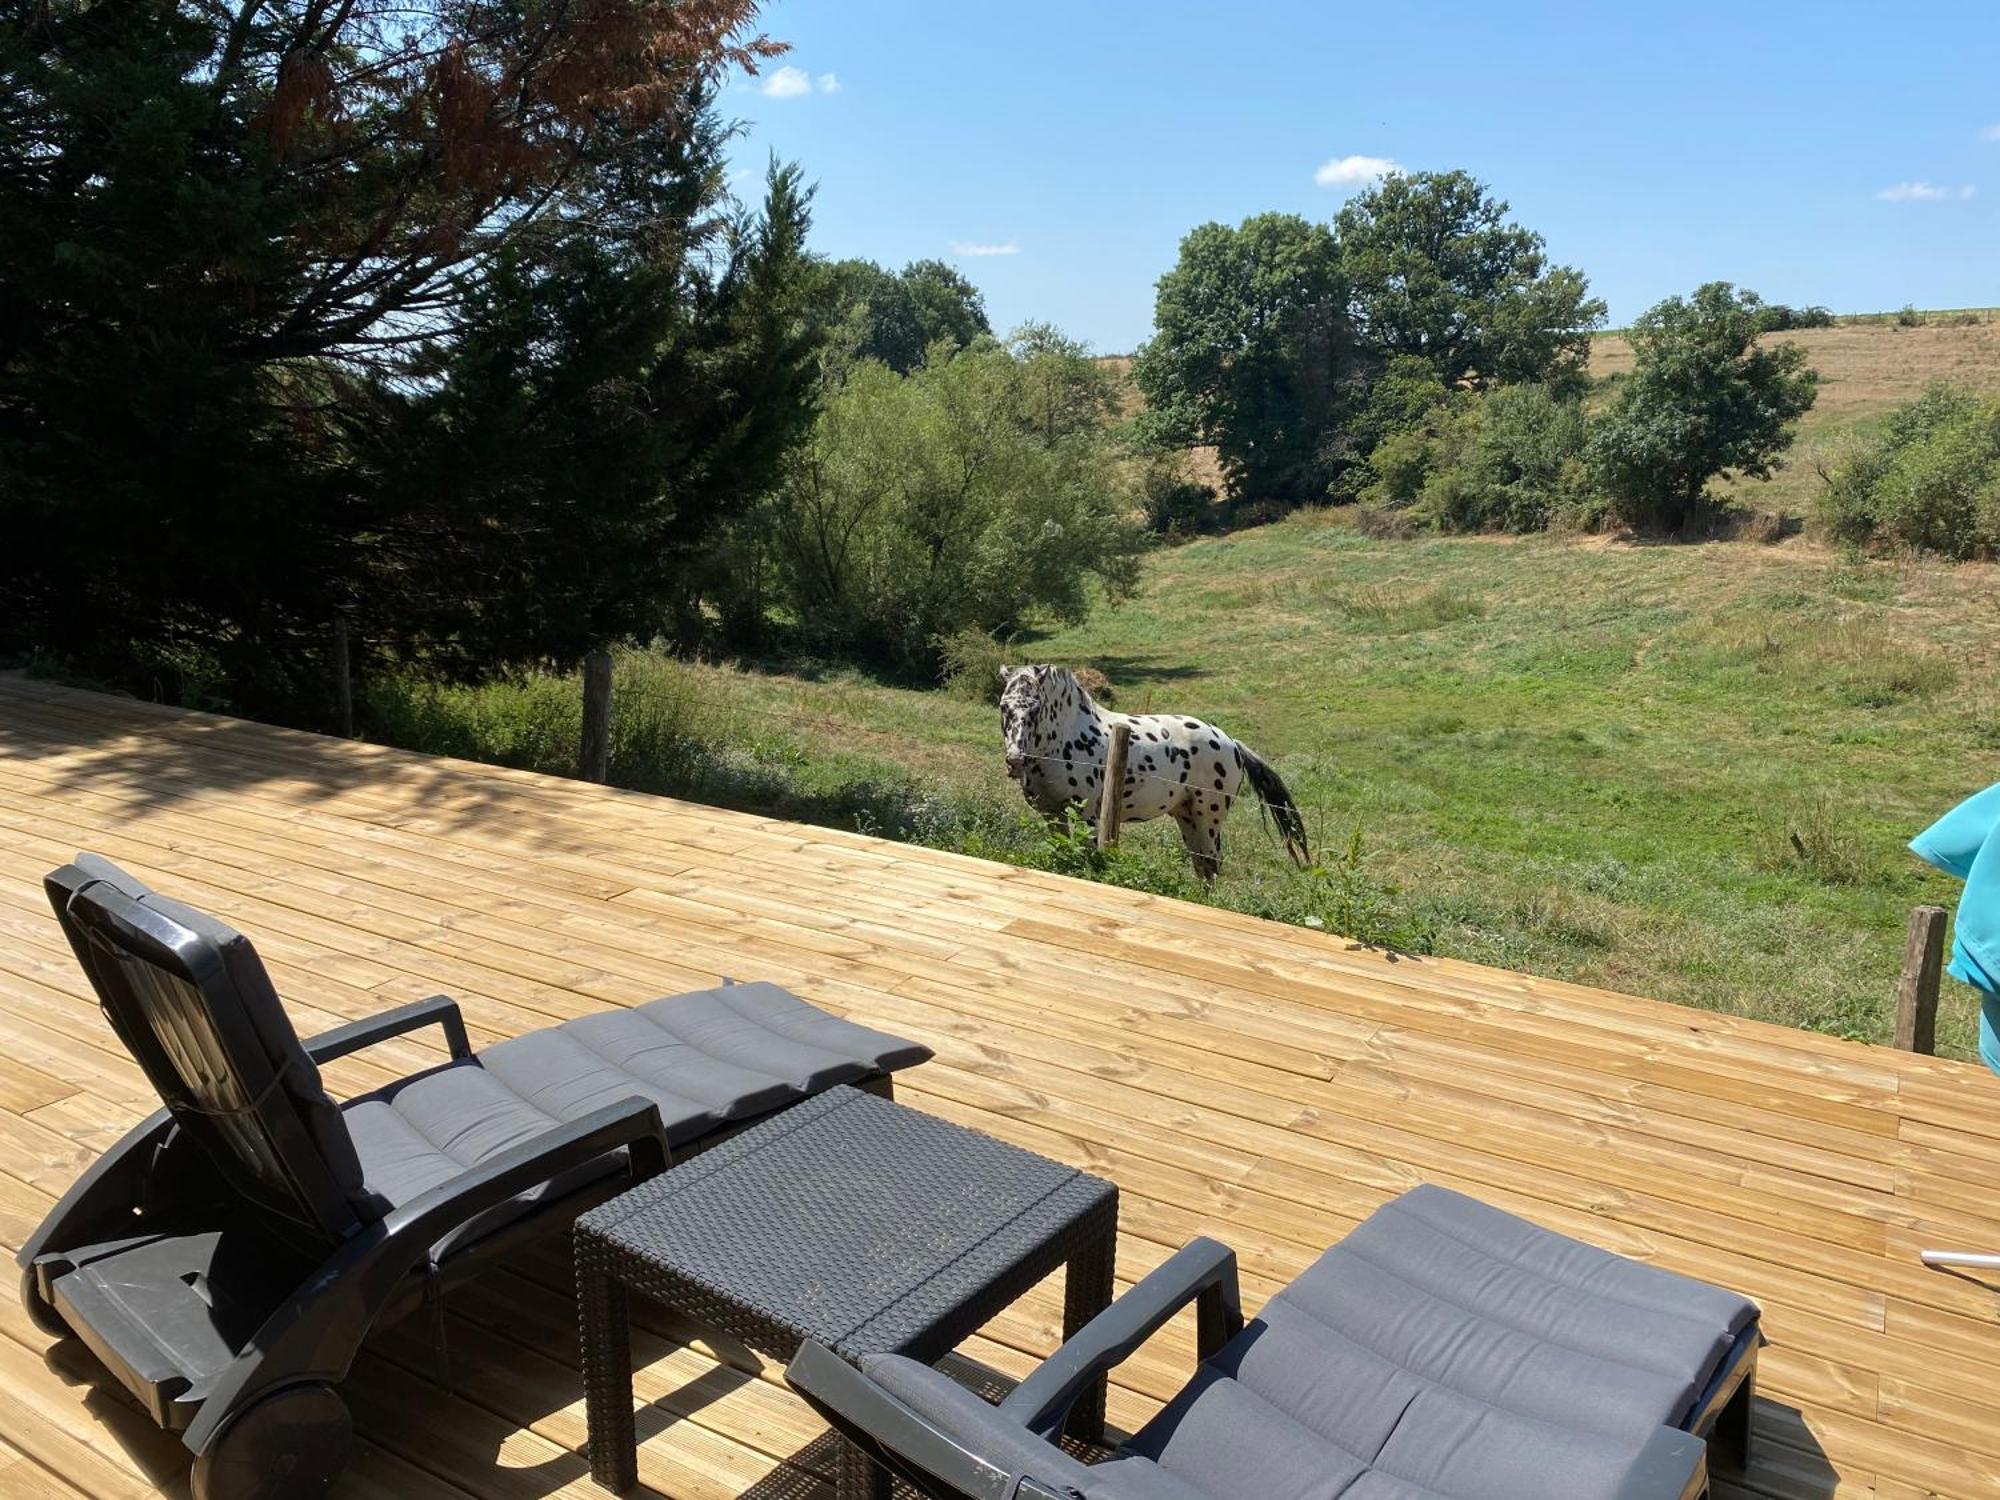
x=1917 y=993
x=594 y=755
x=1111 y=800
x=343 y=679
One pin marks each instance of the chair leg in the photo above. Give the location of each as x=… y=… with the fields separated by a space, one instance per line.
x=1730 y=1438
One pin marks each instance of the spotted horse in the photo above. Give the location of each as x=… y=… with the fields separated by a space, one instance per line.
x=1057 y=737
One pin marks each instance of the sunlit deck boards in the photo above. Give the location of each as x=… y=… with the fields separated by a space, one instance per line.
x=1260 y=1083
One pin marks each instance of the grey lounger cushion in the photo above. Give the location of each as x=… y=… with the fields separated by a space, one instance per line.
x=707 y=1060
x=1006 y=1444
x=1448 y=1348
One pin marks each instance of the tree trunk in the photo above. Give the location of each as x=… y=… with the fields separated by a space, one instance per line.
x=343 y=680
x=594 y=754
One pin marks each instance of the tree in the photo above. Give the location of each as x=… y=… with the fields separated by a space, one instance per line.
x=242 y=247
x=931 y=503
x=1066 y=392
x=612 y=403
x=1252 y=352
x=895 y=317
x=1438 y=273
x=1702 y=400
x=946 y=304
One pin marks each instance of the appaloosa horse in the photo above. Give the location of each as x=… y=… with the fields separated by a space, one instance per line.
x=1176 y=767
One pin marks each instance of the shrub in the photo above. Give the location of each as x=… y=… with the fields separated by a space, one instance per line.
x=534 y=722
x=1508 y=460
x=1704 y=399
x=972 y=662
x=933 y=503
x=1931 y=481
x=1778 y=318
x=1172 y=503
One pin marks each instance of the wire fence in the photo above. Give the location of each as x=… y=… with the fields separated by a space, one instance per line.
x=699 y=706
x=1315 y=817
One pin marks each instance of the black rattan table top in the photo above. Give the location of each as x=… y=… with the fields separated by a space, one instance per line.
x=853 y=1221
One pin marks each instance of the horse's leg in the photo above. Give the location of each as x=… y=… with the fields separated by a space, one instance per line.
x=1201 y=834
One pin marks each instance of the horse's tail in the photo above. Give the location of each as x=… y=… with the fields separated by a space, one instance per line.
x=1277 y=799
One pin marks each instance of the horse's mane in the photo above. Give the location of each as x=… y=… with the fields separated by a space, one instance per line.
x=1048 y=675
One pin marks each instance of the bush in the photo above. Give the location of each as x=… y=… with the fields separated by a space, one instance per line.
x=1779 y=318
x=1508 y=460
x=937 y=502
x=534 y=722
x=972 y=662
x=1173 y=504
x=1931 y=481
x=1704 y=399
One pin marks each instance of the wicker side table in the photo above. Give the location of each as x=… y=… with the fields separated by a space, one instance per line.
x=866 y=1226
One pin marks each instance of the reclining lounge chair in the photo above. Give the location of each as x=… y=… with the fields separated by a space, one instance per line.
x=1443 y=1351
x=227 y=1258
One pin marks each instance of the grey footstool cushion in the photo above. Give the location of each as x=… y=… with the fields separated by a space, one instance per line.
x=708 y=1060
x=1446 y=1348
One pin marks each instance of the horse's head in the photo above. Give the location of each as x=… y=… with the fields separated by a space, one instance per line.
x=1027 y=696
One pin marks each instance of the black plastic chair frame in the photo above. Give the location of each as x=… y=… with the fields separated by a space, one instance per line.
x=1674 y=1463
x=381 y=1272
x=229 y=1179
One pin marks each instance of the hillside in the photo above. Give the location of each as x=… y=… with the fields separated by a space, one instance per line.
x=1867 y=364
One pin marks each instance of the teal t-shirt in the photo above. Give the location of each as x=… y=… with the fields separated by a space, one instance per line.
x=1964 y=842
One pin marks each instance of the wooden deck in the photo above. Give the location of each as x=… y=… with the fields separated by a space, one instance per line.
x=1264 y=1084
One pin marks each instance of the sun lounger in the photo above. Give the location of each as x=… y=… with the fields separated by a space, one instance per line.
x=226 y=1259
x=1443 y=1351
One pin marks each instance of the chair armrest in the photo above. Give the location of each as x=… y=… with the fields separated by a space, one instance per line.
x=1672 y=1465
x=1201 y=1271
x=313 y=1334
x=897 y=1437
x=634 y=1124
x=438 y=1010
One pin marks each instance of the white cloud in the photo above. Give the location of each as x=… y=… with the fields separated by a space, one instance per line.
x=1923 y=192
x=1008 y=247
x=1356 y=171
x=1990 y=133
x=829 y=83
x=788 y=83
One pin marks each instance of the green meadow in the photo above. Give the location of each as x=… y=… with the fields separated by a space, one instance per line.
x=1683 y=771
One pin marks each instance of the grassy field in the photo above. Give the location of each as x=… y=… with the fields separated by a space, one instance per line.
x=1684 y=771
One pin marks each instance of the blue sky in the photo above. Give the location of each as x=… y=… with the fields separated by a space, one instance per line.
x=1832 y=152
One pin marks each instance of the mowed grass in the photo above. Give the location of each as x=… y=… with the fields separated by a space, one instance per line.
x=1867 y=366
x=1681 y=771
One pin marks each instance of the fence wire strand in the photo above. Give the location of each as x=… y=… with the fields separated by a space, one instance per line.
x=827 y=722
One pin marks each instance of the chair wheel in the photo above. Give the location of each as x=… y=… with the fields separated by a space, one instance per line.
x=36 y=1306
x=290 y=1445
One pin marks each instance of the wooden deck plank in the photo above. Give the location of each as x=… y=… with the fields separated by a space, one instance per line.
x=1262 y=1083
